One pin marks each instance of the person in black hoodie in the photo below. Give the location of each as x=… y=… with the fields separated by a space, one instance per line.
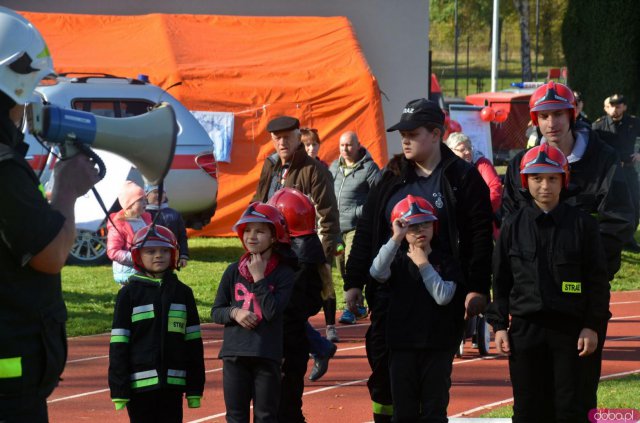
x=156 y=352
x=429 y=169
x=250 y=303
x=35 y=235
x=597 y=187
x=422 y=327
x=550 y=277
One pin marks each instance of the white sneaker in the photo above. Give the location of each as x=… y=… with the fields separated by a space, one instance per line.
x=332 y=334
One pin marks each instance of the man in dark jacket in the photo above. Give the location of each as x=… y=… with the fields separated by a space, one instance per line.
x=354 y=173
x=291 y=167
x=429 y=169
x=35 y=236
x=597 y=187
x=621 y=131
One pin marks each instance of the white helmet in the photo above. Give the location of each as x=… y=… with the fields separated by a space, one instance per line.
x=24 y=56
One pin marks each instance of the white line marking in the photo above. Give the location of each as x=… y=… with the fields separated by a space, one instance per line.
x=509 y=400
x=78 y=360
x=625 y=318
x=78 y=395
x=624 y=302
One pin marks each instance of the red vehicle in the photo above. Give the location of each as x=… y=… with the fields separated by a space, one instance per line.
x=508 y=137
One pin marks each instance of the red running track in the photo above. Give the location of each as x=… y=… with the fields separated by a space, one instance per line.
x=341 y=395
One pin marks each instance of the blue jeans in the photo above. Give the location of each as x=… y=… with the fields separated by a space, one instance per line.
x=318 y=345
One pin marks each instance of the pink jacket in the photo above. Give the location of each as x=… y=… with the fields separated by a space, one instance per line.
x=492 y=180
x=119 y=241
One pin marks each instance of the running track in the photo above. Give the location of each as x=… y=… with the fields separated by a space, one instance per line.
x=341 y=395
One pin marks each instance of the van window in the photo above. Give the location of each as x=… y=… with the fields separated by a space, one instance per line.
x=112 y=108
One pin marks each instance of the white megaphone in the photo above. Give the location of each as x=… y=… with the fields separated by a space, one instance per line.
x=148 y=141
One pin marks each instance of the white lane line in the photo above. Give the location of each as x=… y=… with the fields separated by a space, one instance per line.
x=622 y=338
x=78 y=395
x=624 y=318
x=79 y=360
x=315 y=391
x=624 y=302
x=487 y=407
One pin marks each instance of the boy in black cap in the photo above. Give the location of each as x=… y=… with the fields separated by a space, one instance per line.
x=426 y=168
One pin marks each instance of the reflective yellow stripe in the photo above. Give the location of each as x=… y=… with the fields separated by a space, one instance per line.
x=384 y=409
x=10 y=367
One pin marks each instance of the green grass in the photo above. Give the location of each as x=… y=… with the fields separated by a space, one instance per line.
x=90 y=292
x=615 y=393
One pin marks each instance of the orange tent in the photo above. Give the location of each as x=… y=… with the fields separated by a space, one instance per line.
x=256 y=67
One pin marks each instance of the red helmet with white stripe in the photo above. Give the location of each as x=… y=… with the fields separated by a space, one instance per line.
x=544 y=158
x=153 y=236
x=552 y=96
x=264 y=213
x=414 y=210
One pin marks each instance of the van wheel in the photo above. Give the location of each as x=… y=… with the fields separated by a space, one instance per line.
x=89 y=248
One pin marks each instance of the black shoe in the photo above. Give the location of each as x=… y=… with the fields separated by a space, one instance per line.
x=321 y=364
x=632 y=246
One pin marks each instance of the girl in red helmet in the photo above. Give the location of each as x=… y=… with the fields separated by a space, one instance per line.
x=551 y=277
x=422 y=284
x=250 y=303
x=156 y=353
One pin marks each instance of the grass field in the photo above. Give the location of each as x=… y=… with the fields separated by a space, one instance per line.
x=90 y=292
x=617 y=393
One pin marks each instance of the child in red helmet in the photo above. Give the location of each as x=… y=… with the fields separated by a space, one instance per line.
x=422 y=284
x=250 y=302
x=551 y=277
x=156 y=352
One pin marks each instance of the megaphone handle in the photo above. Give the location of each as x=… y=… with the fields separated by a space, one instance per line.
x=85 y=149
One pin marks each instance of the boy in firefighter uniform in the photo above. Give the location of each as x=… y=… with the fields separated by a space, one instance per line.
x=156 y=353
x=550 y=275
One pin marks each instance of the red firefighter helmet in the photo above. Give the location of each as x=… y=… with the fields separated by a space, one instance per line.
x=153 y=236
x=552 y=96
x=414 y=210
x=264 y=213
x=544 y=158
x=297 y=209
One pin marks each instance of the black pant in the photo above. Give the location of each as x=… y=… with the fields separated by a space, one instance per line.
x=631 y=177
x=420 y=382
x=544 y=370
x=251 y=378
x=158 y=406
x=23 y=409
x=294 y=367
x=379 y=382
x=590 y=368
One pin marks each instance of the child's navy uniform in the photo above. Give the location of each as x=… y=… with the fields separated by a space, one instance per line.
x=156 y=351
x=550 y=274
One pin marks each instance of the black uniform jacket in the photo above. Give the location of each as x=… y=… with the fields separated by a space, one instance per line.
x=568 y=278
x=470 y=217
x=597 y=186
x=156 y=342
x=33 y=344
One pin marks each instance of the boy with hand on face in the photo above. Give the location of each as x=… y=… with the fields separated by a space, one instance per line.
x=551 y=277
x=421 y=328
x=156 y=353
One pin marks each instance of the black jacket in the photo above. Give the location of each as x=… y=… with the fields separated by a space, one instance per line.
x=597 y=186
x=32 y=311
x=620 y=135
x=268 y=298
x=414 y=319
x=470 y=216
x=567 y=278
x=156 y=341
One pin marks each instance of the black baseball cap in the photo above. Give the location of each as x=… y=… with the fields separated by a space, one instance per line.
x=616 y=99
x=283 y=123
x=417 y=113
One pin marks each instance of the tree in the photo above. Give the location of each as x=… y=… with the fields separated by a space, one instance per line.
x=522 y=8
x=601 y=42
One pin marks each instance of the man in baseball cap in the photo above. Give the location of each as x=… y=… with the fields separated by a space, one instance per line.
x=429 y=169
x=419 y=113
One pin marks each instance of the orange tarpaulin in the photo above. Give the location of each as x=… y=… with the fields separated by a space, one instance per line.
x=256 y=67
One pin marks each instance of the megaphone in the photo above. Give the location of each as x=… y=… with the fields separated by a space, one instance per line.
x=148 y=141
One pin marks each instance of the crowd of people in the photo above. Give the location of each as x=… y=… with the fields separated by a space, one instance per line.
x=434 y=238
